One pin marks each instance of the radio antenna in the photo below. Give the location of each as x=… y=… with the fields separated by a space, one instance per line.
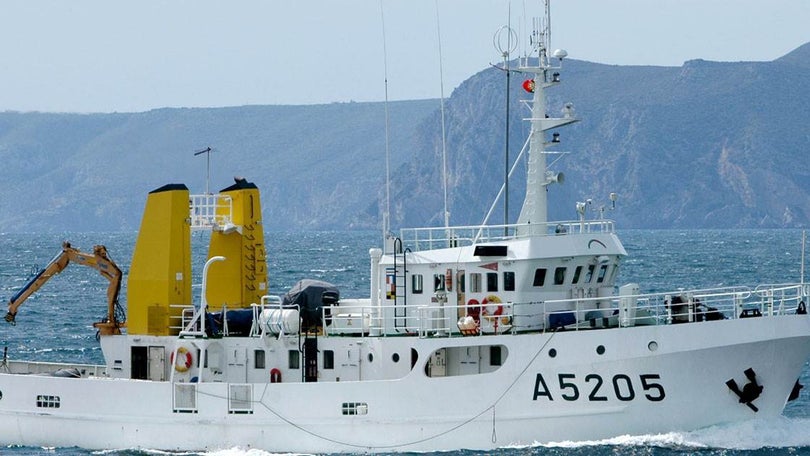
x=207 y=151
x=387 y=214
x=804 y=239
x=505 y=49
x=441 y=107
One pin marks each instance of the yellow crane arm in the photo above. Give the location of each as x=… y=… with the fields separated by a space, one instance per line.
x=98 y=260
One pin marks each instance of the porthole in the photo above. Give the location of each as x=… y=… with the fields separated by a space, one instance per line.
x=370 y=357
x=652 y=346
x=395 y=357
x=552 y=353
x=600 y=350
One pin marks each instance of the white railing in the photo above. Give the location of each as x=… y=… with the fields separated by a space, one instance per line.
x=456 y=236
x=210 y=212
x=189 y=320
x=360 y=318
x=618 y=311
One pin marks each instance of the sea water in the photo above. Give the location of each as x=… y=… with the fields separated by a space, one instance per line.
x=55 y=324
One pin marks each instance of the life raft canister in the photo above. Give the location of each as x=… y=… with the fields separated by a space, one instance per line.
x=183 y=361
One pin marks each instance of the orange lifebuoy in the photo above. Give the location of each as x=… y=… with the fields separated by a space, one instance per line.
x=492 y=306
x=184 y=359
x=493 y=311
x=474 y=309
x=275 y=375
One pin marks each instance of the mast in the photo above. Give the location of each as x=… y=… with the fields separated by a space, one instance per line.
x=387 y=214
x=505 y=49
x=207 y=151
x=441 y=105
x=535 y=206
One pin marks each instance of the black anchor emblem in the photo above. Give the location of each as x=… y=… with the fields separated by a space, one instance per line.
x=750 y=391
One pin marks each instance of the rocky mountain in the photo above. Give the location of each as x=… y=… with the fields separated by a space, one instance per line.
x=707 y=144
x=315 y=165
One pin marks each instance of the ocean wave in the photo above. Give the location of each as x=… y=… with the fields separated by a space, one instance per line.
x=324 y=271
x=780 y=432
x=248 y=452
x=139 y=452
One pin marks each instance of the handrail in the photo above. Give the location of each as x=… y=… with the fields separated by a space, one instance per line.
x=616 y=311
x=454 y=236
x=210 y=212
x=682 y=306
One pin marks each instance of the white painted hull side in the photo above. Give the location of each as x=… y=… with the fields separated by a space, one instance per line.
x=582 y=396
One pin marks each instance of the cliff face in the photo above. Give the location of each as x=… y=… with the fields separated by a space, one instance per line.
x=707 y=144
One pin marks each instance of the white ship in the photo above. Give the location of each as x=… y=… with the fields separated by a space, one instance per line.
x=472 y=337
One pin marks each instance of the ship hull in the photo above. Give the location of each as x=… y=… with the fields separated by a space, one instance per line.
x=643 y=380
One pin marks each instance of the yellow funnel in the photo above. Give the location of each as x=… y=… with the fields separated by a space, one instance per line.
x=241 y=279
x=160 y=274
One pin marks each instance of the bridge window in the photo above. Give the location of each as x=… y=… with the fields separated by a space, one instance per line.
x=559 y=276
x=438 y=282
x=577 y=273
x=492 y=281
x=539 y=277
x=294 y=359
x=328 y=359
x=602 y=273
x=416 y=283
x=475 y=282
x=258 y=359
x=508 y=281
x=589 y=275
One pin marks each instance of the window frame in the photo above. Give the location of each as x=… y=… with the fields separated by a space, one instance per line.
x=539 y=277
x=508 y=280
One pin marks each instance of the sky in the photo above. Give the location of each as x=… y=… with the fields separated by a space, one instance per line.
x=131 y=56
